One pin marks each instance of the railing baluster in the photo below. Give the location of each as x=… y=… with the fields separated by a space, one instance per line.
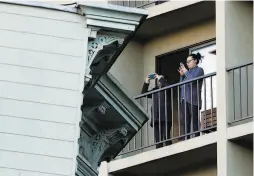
x=205 y=102
x=192 y=125
x=141 y=129
x=147 y=123
x=247 y=93
x=185 y=120
x=198 y=105
x=138 y=4
x=178 y=103
x=234 y=92
x=172 y=110
x=240 y=80
x=153 y=117
x=211 y=99
x=159 y=116
x=166 y=115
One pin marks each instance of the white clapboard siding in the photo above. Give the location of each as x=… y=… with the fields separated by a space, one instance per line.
x=47 y=147
x=39 y=94
x=40 y=12
x=34 y=25
x=40 y=60
x=38 y=111
x=41 y=43
x=35 y=163
x=41 y=65
x=36 y=128
x=39 y=77
x=15 y=172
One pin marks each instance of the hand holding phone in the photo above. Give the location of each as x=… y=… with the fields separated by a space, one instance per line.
x=151 y=76
x=182 y=69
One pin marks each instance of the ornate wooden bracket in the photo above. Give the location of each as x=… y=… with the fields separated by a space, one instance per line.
x=95 y=149
x=99 y=49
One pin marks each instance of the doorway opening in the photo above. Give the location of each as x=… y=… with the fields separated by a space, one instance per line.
x=168 y=64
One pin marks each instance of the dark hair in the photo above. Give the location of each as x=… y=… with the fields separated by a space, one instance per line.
x=197 y=57
x=156 y=80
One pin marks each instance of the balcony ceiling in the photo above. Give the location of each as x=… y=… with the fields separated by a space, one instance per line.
x=176 y=19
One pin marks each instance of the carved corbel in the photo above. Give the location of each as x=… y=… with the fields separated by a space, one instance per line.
x=95 y=148
x=101 y=40
x=99 y=49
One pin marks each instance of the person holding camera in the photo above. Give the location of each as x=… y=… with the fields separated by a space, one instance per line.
x=161 y=119
x=190 y=103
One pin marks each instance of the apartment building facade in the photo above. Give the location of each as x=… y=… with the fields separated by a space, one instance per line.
x=72 y=78
x=172 y=31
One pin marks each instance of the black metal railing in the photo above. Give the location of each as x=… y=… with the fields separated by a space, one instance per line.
x=240 y=92
x=137 y=3
x=174 y=119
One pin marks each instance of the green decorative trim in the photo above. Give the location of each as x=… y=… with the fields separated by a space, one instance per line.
x=84 y=168
x=95 y=148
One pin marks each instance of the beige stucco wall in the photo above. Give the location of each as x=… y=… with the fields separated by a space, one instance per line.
x=240 y=160
x=138 y=60
x=128 y=68
x=179 y=39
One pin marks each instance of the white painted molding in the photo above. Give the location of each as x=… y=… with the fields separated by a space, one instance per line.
x=103 y=169
x=152 y=155
x=111 y=17
x=240 y=130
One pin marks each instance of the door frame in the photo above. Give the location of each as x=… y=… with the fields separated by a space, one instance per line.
x=190 y=47
x=201 y=46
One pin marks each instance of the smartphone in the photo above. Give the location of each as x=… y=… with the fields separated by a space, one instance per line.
x=181 y=64
x=151 y=76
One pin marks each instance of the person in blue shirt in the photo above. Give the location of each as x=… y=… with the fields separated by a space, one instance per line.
x=190 y=103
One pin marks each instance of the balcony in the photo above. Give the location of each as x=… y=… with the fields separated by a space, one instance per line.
x=240 y=90
x=176 y=126
x=137 y=4
x=241 y=93
x=240 y=106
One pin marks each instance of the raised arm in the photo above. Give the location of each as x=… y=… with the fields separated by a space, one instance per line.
x=197 y=73
x=145 y=87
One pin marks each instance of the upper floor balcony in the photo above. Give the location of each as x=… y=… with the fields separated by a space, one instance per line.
x=177 y=133
x=174 y=119
x=137 y=4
